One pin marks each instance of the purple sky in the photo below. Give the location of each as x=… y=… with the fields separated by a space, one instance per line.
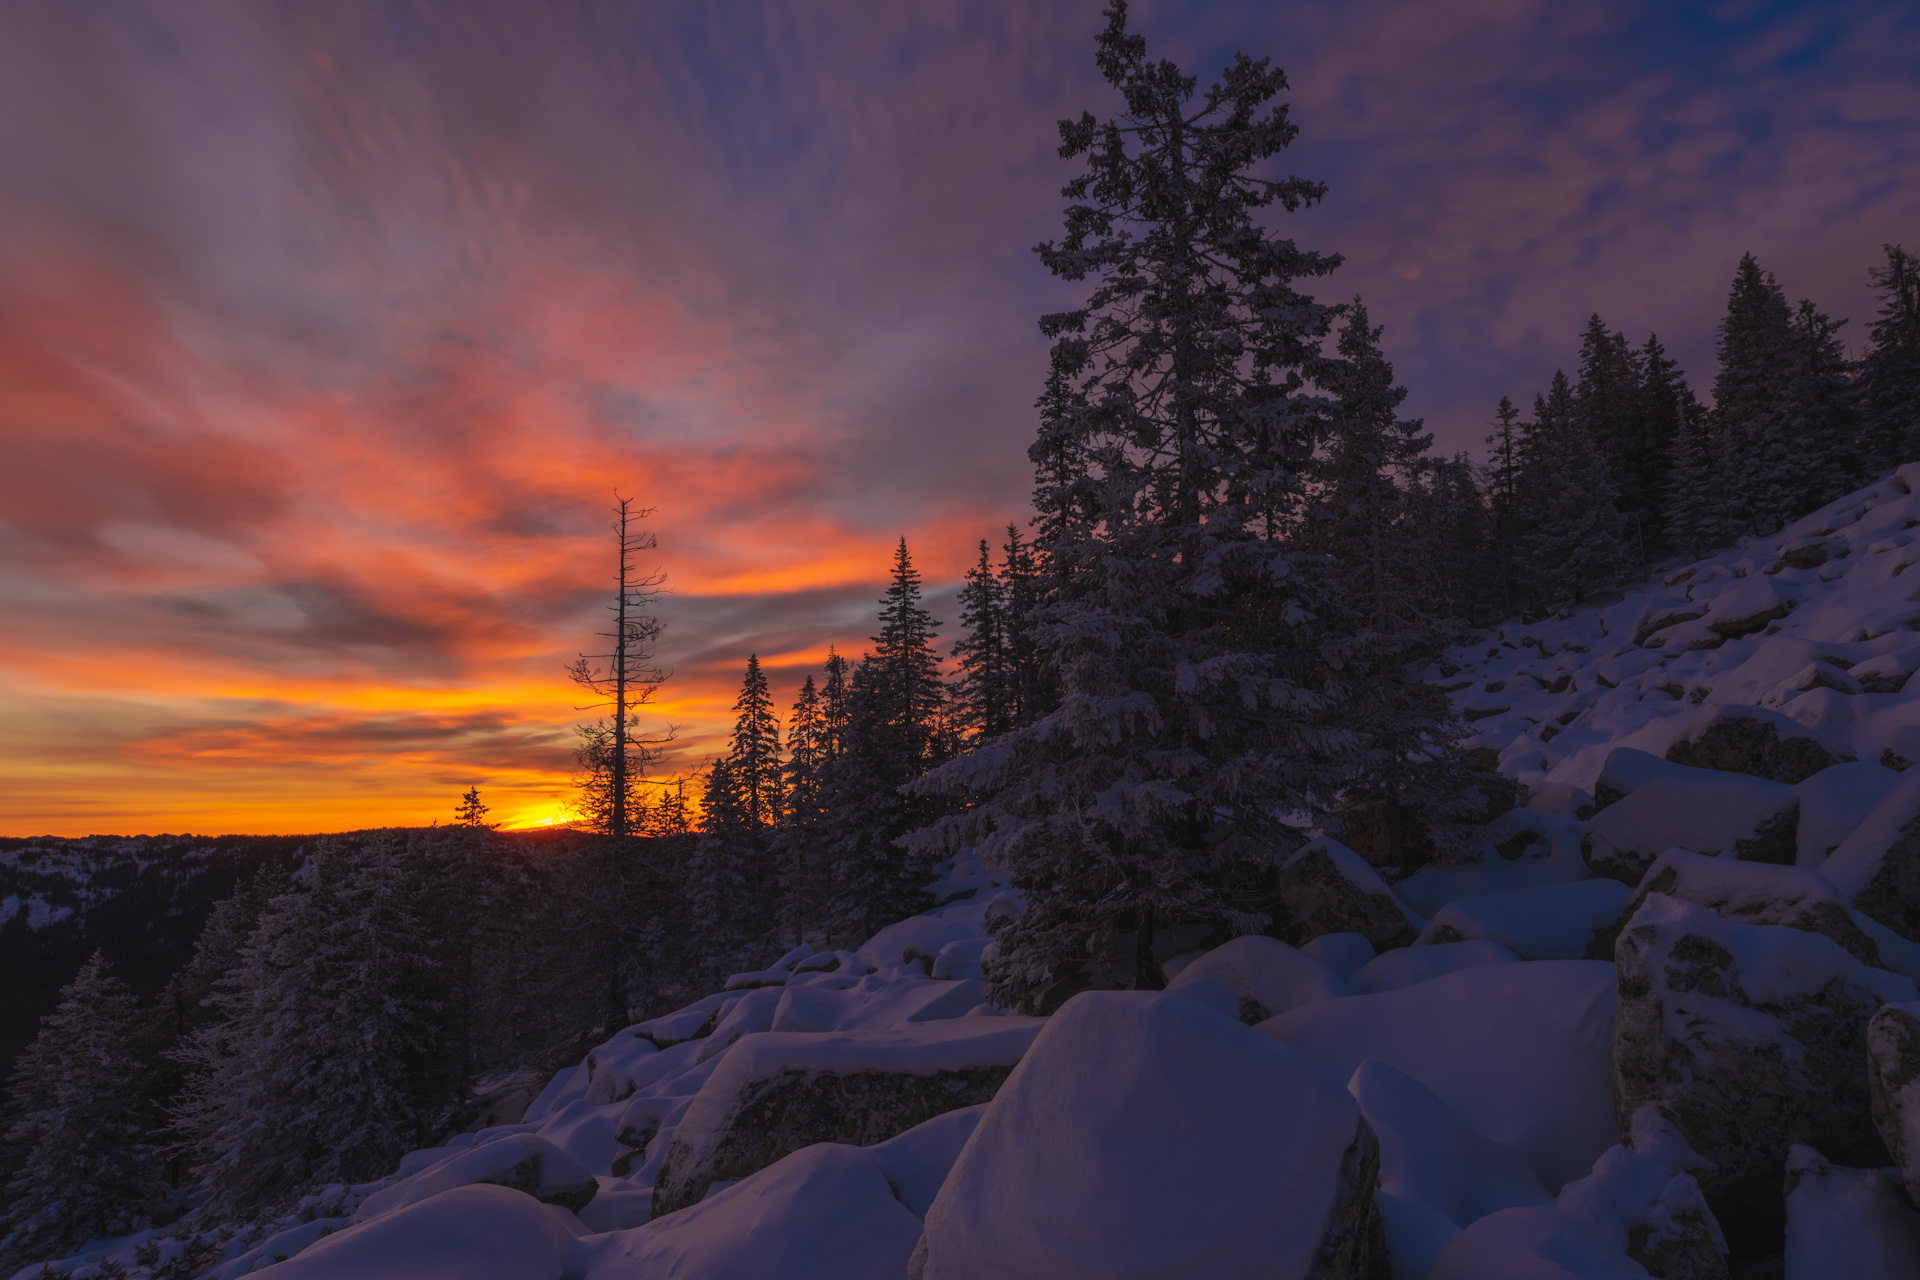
x=326 y=329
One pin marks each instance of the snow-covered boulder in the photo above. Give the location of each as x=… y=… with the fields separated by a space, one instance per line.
x=1893 y=1059
x=468 y=1233
x=1533 y=1244
x=1707 y=812
x=1758 y=893
x=917 y=1162
x=1547 y=922
x=1652 y=1211
x=1146 y=1136
x=1749 y=605
x=1832 y=804
x=521 y=1161
x=1436 y=1175
x=1410 y=966
x=1751 y=1039
x=1264 y=976
x=773 y=1094
x=1520 y=1052
x=1328 y=888
x=1627 y=770
x=1847 y=1224
x=823 y=1213
x=614 y=1068
x=1877 y=867
x=917 y=939
x=1342 y=953
x=1753 y=740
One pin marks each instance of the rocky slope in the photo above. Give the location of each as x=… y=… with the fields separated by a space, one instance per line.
x=1660 y=1020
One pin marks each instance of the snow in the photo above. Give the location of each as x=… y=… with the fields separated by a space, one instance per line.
x=1341 y=953
x=468 y=1233
x=823 y=1213
x=1264 y=976
x=917 y=1162
x=1855 y=862
x=1833 y=802
x=1523 y=1053
x=1847 y=1224
x=1533 y=1244
x=1409 y=966
x=493 y=1162
x=1145 y=1137
x=1547 y=922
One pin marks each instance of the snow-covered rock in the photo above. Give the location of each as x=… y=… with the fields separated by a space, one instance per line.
x=1342 y=953
x=1533 y=1244
x=1893 y=1059
x=1704 y=810
x=917 y=939
x=1548 y=922
x=1264 y=976
x=1146 y=1136
x=1751 y=1039
x=522 y=1161
x=1328 y=888
x=1520 y=1052
x=1877 y=867
x=1409 y=966
x=1436 y=1175
x=1847 y=1224
x=823 y=1213
x=1833 y=803
x=1758 y=893
x=775 y=1093
x=1755 y=741
x=1652 y=1211
x=467 y=1233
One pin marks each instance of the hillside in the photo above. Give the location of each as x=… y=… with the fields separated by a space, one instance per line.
x=1663 y=1013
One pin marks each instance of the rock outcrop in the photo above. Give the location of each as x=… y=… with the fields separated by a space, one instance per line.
x=1750 y=1038
x=1756 y=741
x=1701 y=810
x=1893 y=1059
x=1328 y=888
x=777 y=1092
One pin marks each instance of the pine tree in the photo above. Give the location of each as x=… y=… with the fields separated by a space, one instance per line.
x=613 y=755
x=471 y=812
x=1179 y=622
x=1504 y=492
x=836 y=705
x=807 y=744
x=84 y=1167
x=1606 y=400
x=873 y=881
x=1665 y=402
x=1033 y=688
x=1754 y=452
x=753 y=754
x=1574 y=545
x=1890 y=373
x=1822 y=419
x=320 y=1068
x=908 y=693
x=1691 y=525
x=985 y=694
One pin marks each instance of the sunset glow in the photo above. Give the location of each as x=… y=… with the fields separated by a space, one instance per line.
x=327 y=338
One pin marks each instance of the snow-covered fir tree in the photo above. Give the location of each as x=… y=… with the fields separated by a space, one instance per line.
x=1573 y=545
x=754 y=767
x=1823 y=418
x=984 y=695
x=905 y=692
x=1755 y=455
x=1179 y=620
x=1606 y=399
x=1503 y=496
x=1691 y=522
x=1664 y=403
x=795 y=851
x=320 y=1067
x=82 y=1163
x=1890 y=372
x=1020 y=579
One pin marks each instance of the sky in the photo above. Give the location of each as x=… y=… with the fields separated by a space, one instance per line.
x=330 y=332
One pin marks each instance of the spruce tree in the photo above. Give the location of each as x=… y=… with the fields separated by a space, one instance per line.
x=1823 y=421
x=1180 y=622
x=83 y=1165
x=753 y=755
x=1691 y=524
x=1755 y=455
x=907 y=692
x=1606 y=399
x=985 y=694
x=1033 y=690
x=836 y=704
x=1665 y=402
x=806 y=750
x=1503 y=491
x=873 y=880
x=471 y=812
x=1890 y=373
x=1574 y=545
x=795 y=853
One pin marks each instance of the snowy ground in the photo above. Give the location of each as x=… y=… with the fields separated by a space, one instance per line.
x=1632 y=1034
